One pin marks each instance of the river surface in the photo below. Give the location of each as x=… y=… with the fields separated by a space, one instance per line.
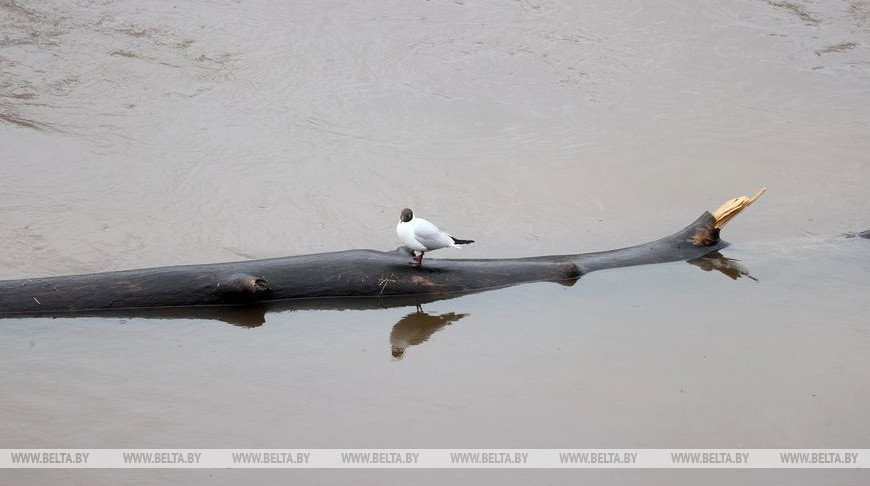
x=146 y=133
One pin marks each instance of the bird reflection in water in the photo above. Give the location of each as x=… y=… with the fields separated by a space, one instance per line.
x=411 y=330
x=416 y=328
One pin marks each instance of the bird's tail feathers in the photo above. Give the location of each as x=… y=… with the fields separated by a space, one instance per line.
x=461 y=242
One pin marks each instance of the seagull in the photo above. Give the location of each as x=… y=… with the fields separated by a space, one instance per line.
x=421 y=236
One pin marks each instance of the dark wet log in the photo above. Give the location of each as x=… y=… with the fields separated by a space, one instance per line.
x=354 y=273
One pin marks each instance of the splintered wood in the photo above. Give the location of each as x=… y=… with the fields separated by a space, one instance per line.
x=733 y=207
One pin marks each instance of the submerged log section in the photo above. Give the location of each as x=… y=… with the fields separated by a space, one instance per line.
x=354 y=273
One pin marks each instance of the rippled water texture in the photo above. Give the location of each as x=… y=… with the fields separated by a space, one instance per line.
x=137 y=134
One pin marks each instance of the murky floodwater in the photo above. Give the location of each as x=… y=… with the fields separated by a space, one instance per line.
x=137 y=134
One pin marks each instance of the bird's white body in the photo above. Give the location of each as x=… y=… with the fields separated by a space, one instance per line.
x=421 y=235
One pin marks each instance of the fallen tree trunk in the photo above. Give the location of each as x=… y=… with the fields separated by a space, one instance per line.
x=354 y=273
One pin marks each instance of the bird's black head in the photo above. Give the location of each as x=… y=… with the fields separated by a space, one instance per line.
x=407 y=215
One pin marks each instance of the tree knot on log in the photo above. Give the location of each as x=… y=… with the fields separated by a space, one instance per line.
x=571 y=271
x=241 y=284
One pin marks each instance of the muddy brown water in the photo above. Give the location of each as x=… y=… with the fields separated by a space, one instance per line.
x=137 y=134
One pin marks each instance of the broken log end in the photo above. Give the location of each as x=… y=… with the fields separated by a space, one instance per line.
x=733 y=207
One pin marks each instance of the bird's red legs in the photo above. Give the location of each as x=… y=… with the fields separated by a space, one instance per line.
x=418 y=260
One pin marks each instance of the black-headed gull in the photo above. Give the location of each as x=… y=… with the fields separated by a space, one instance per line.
x=421 y=236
